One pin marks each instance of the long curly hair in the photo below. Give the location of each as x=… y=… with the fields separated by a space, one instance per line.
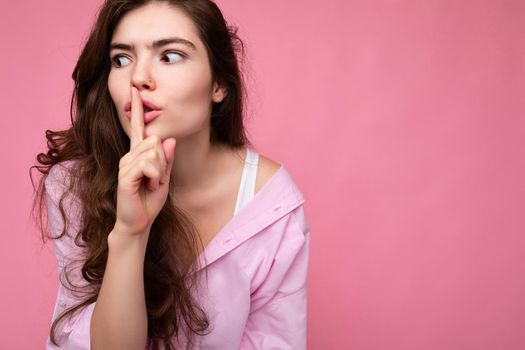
x=95 y=143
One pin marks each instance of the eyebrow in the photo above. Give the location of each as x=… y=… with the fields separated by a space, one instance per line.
x=156 y=44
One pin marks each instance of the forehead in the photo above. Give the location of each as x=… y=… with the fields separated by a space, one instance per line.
x=155 y=20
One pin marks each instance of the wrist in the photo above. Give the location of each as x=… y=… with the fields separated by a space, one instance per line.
x=119 y=237
x=122 y=229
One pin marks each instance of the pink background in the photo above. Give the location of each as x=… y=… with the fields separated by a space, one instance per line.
x=403 y=123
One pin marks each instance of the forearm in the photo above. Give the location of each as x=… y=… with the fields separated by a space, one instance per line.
x=119 y=320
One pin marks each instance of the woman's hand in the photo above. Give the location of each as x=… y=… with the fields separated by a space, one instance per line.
x=144 y=173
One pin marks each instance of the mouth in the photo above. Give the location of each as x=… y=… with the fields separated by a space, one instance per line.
x=148 y=115
x=150 y=110
x=147 y=106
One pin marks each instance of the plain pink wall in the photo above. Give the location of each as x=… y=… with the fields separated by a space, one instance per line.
x=403 y=122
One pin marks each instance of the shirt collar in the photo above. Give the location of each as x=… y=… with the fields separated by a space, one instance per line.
x=278 y=197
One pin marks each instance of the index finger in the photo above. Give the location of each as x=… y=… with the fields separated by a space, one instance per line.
x=137 y=118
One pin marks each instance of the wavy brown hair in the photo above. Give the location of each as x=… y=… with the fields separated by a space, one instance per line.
x=96 y=142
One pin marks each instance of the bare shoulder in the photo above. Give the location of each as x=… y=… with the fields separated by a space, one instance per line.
x=265 y=170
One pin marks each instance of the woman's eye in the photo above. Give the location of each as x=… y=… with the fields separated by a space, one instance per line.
x=173 y=56
x=117 y=58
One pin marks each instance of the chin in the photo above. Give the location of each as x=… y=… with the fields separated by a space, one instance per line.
x=150 y=130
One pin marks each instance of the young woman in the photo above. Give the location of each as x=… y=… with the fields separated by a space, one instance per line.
x=170 y=231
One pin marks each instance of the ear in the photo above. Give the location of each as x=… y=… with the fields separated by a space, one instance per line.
x=219 y=92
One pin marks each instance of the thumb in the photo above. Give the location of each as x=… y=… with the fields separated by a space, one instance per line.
x=169 y=150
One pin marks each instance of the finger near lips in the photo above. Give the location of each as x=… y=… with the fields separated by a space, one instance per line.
x=137 y=118
x=154 y=170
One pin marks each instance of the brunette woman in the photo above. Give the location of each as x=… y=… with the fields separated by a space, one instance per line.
x=170 y=229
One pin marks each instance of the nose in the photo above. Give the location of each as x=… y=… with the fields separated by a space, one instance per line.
x=142 y=78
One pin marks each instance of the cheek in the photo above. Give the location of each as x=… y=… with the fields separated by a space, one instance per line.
x=118 y=100
x=193 y=91
x=112 y=88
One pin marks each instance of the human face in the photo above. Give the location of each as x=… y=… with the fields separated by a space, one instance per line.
x=176 y=77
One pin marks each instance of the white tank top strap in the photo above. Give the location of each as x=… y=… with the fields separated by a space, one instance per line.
x=249 y=175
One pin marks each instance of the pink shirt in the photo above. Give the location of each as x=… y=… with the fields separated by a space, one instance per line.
x=256 y=296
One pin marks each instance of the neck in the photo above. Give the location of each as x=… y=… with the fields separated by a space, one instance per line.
x=200 y=167
x=196 y=164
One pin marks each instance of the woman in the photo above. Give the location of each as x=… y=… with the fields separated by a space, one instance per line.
x=169 y=231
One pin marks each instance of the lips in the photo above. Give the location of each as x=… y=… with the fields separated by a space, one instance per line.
x=151 y=111
x=148 y=117
x=146 y=103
